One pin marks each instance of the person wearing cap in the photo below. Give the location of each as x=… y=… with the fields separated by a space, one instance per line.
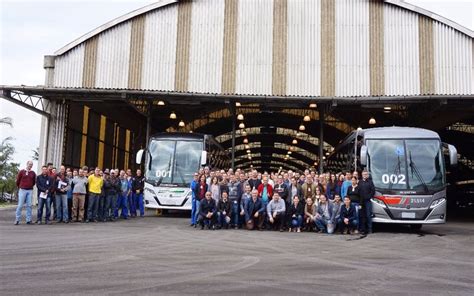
x=95 y=182
x=276 y=211
x=207 y=212
x=254 y=212
x=25 y=181
x=112 y=187
x=192 y=186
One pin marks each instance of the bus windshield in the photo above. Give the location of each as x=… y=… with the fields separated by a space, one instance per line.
x=173 y=161
x=412 y=164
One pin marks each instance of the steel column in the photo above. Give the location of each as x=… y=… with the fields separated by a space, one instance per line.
x=321 y=138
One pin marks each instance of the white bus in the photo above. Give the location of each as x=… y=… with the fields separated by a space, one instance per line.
x=170 y=163
x=407 y=167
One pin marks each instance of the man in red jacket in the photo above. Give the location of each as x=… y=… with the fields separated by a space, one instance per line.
x=25 y=181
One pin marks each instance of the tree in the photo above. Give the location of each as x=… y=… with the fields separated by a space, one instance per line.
x=8 y=169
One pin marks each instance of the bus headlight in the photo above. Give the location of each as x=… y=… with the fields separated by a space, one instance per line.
x=150 y=191
x=436 y=202
x=379 y=202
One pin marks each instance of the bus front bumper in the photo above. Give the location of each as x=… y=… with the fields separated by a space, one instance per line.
x=436 y=215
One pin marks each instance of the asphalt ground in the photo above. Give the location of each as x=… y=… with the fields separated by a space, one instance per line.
x=163 y=255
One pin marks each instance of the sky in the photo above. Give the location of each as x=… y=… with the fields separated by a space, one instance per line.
x=31 y=29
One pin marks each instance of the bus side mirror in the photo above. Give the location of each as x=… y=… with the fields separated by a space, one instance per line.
x=363 y=155
x=453 y=155
x=139 y=156
x=203 y=157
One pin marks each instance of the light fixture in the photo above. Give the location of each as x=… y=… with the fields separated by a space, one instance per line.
x=306 y=118
x=237 y=104
x=359 y=128
x=372 y=121
x=387 y=108
x=247 y=146
x=240 y=117
x=181 y=123
x=246 y=141
x=327 y=153
x=294 y=142
x=289 y=152
x=248 y=151
x=298 y=134
x=315 y=163
x=244 y=133
x=190 y=132
x=302 y=128
x=241 y=125
x=313 y=105
x=173 y=115
x=250 y=157
x=292 y=148
x=386 y=111
x=161 y=103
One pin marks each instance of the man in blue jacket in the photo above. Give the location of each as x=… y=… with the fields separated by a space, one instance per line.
x=254 y=212
x=194 y=182
x=347 y=220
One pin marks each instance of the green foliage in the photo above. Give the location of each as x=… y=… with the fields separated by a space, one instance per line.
x=8 y=169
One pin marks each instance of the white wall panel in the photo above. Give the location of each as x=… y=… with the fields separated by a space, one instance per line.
x=206 y=49
x=159 y=52
x=254 y=47
x=113 y=55
x=69 y=68
x=452 y=61
x=401 y=42
x=304 y=48
x=352 y=48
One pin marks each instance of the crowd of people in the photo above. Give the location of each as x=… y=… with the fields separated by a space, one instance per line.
x=284 y=201
x=80 y=195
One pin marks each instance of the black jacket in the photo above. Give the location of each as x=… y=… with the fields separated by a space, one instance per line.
x=224 y=206
x=350 y=213
x=354 y=194
x=207 y=206
x=138 y=183
x=44 y=182
x=366 y=189
x=254 y=183
x=112 y=186
x=298 y=210
x=282 y=189
x=252 y=207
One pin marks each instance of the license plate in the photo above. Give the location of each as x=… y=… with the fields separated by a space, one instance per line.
x=408 y=215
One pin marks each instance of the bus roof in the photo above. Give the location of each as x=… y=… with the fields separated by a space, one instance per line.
x=178 y=135
x=397 y=132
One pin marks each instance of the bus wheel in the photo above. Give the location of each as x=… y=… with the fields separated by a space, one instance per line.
x=416 y=226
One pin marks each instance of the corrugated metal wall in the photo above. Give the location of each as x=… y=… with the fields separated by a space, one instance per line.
x=254 y=47
x=453 y=73
x=401 y=52
x=304 y=48
x=69 y=68
x=159 y=53
x=113 y=54
x=352 y=48
x=258 y=57
x=207 y=34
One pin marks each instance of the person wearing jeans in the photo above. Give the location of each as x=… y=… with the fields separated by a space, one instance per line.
x=194 y=182
x=62 y=186
x=95 y=189
x=138 y=185
x=199 y=193
x=295 y=214
x=25 y=181
x=325 y=216
x=44 y=184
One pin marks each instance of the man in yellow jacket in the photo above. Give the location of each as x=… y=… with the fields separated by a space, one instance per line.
x=95 y=189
